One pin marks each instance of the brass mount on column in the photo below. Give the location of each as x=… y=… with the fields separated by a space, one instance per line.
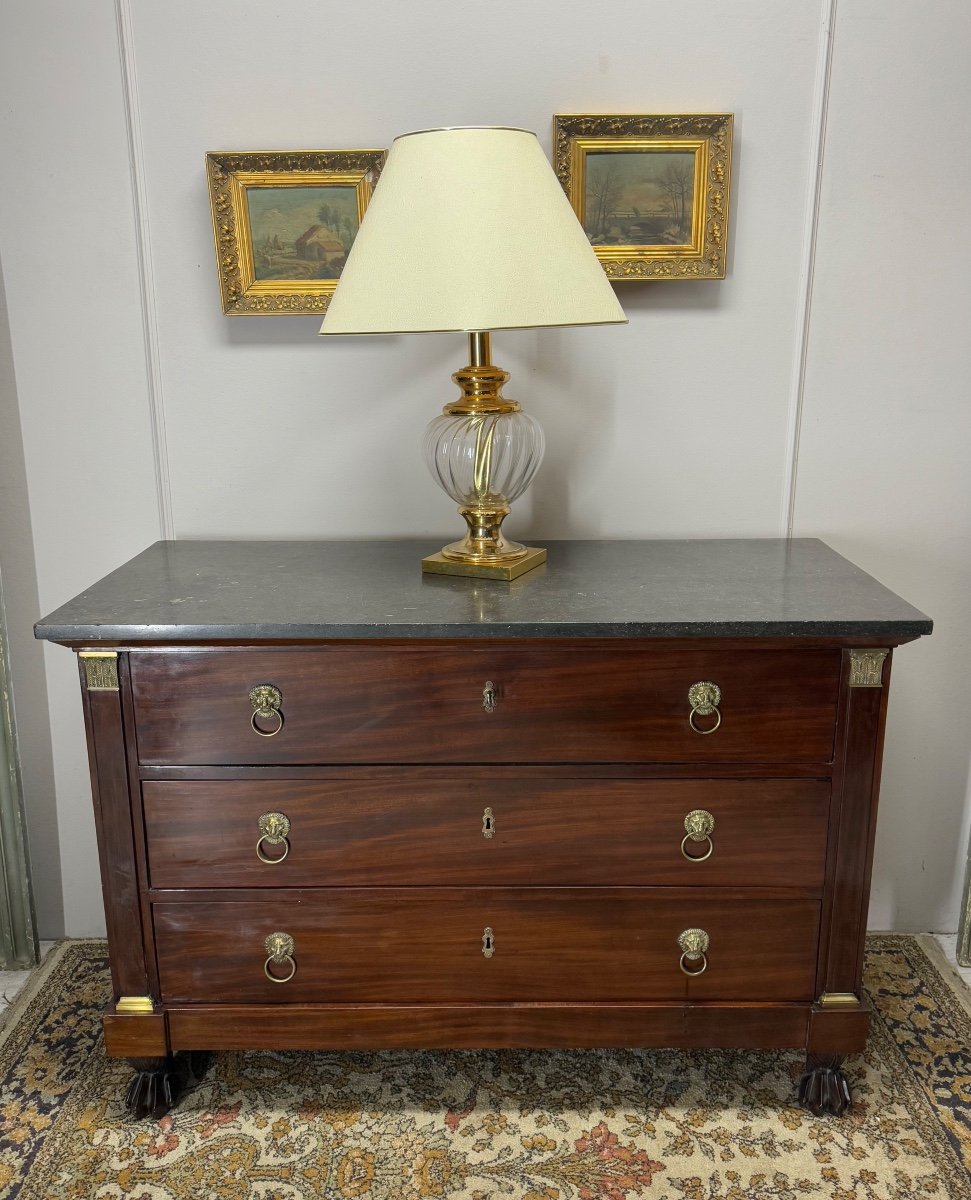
x=100 y=670
x=866 y=667
x=135 y=1004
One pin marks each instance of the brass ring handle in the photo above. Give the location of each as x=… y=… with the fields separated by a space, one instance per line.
x=694 y=945
x=272 y=732
x=279 y=948
x=704 y=698
x=264 y=858
x=701 y=970
x=266 y=701
x=699 y=825
x=274 y=828
x=696 y=857
x=691 y=722
x=287 y=958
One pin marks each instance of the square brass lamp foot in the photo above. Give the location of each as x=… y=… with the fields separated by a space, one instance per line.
x=438 y=564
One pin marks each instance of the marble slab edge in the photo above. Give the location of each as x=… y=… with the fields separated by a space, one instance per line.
x=173 y=634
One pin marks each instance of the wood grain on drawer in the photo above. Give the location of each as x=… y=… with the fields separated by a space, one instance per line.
x=424 y=704
x=401 y=945
x=505 y=831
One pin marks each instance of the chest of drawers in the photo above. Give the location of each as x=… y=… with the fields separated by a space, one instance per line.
x=628 y=800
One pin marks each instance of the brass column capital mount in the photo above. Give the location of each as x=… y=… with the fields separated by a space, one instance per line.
x=866 y=667
x=100 y=670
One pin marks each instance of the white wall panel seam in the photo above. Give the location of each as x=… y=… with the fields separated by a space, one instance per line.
x=146 y=269
x=820 y=112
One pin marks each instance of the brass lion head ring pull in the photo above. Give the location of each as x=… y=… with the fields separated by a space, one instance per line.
x=266 y=701
x=274 y=829
x=699 y=825
x=704 y=698
x=279 y=948
x=694 y=949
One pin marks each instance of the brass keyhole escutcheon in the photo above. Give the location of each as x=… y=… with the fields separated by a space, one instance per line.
x=704 y=698
x=265 y=700
x=488 y=823
x=694 y=945
x=490 y=697
x=279 y=948
x=699 y=825
x=274 y=831
x=488 y=942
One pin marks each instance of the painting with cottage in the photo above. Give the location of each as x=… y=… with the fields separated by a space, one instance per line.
x=301 y=232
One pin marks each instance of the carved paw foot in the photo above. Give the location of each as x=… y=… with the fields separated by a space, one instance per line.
x=159 y=1082
x=199 y=1061
x=824 y=1089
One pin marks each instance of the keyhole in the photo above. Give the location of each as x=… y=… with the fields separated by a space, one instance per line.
x=488 y=823
x=488 y=946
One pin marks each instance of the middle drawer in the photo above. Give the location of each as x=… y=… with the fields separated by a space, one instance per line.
x=499 y=831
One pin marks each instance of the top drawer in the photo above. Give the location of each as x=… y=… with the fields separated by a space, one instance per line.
x=487 y=704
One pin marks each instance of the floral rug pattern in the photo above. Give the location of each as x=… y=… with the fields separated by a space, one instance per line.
x=538 y=1125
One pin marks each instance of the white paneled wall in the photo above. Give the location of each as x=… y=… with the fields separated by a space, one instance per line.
x=75 y=312
x=884 y=469
x=680 y=424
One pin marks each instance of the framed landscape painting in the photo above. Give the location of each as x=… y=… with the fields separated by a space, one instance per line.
x=284 y=222
x=650 y=191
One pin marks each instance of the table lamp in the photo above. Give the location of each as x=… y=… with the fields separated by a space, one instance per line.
x=469 y=231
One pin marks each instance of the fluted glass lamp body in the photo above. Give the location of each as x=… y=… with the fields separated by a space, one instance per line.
x=484 y=461
x=479 y=456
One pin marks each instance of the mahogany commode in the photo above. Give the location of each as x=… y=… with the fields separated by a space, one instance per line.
x=626 y=800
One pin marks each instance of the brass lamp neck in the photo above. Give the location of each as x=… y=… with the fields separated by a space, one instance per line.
x=481 y=382
x=480 y=348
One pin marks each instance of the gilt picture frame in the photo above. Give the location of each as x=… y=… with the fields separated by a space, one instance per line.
x=651 y=191
x=283 y=224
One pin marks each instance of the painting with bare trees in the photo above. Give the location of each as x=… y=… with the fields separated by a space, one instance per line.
x=642 y=199
x=651 y=191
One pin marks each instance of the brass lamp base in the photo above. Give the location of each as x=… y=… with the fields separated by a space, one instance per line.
x=438 y=564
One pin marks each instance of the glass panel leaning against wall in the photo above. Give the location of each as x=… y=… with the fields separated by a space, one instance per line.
x=18 y=942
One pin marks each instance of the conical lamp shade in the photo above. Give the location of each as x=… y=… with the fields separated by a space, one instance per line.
x=469 y=229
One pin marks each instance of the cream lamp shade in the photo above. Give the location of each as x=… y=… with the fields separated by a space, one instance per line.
x=469 y=229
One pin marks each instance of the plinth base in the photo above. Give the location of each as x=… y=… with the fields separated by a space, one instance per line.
x=438 y=564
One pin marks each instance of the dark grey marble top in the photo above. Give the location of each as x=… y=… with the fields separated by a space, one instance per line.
x=210 y=591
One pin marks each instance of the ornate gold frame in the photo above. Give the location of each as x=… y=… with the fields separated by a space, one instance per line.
x=230 y=174
x=707 y=136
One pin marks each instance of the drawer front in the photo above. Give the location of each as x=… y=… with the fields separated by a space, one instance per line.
x=500 y=831
x=566 y=944
x=425 y=704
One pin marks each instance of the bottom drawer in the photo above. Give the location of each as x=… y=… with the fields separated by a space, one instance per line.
x=392 y=945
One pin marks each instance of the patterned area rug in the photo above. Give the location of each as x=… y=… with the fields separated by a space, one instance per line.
x=586 y=1125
